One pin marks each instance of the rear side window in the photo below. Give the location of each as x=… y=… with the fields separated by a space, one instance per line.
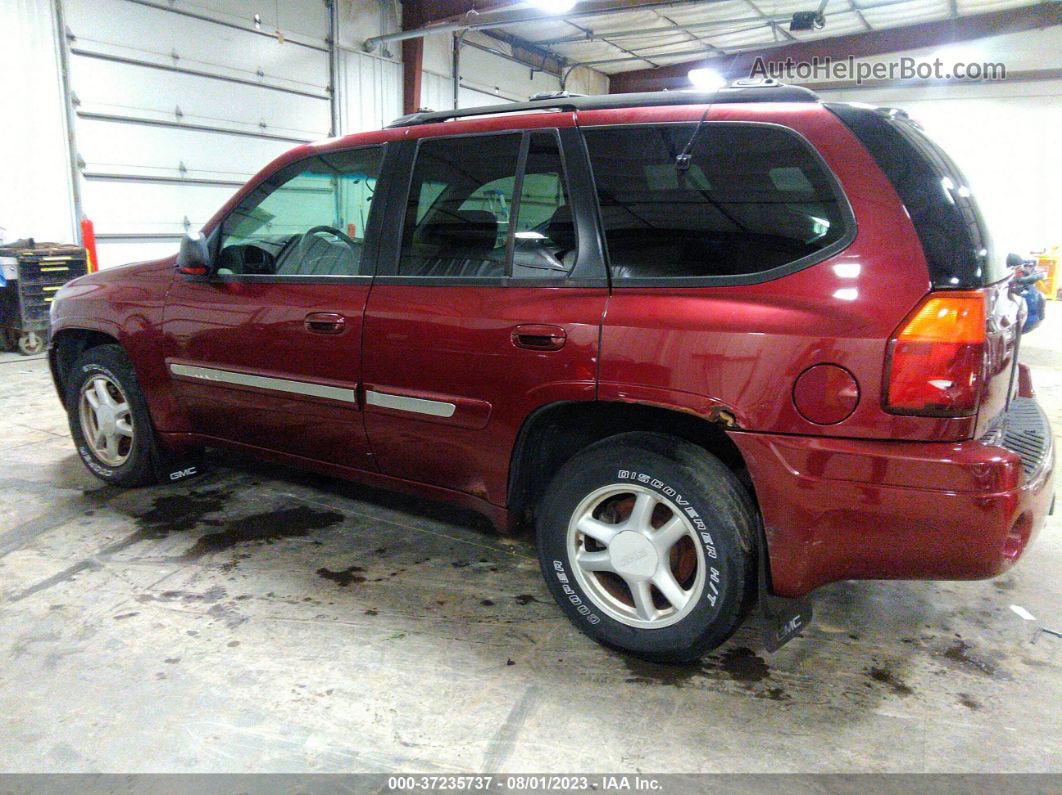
x=459 y=207
x=488 y=206
x=945 y=215
x=755 y=202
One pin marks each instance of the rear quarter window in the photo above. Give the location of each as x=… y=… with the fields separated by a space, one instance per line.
x=755 y=203
x=954 y=237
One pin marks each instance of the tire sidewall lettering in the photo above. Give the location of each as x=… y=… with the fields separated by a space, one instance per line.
x=92 y=463
x=700 y=527
x=581 y=607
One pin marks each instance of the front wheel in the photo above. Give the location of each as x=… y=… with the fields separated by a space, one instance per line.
x=109 y=418
x=646 y=542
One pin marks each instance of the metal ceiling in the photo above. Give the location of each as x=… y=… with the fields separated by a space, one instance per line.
x=624 y=40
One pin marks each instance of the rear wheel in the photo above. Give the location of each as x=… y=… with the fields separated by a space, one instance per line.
x=109 y=419
x=646 y=542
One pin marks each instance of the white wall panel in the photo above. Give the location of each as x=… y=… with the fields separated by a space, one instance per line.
x=35 y=185
x=113 y=253
x=495 y=74
x=584 y=80
x=370 y=92
x=436 y=91
x=244 y=98
x=1003 y=135
x=475 y=98
x=297 y=18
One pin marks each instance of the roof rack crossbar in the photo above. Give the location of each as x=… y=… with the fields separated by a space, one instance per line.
x=574 y=102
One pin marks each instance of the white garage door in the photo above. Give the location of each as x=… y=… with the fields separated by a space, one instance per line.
x=177 y=104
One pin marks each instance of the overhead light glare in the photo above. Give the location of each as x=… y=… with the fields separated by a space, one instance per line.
x=706 y=79
x=554 y=6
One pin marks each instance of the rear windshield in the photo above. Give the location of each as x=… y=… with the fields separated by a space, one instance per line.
x=949 y=224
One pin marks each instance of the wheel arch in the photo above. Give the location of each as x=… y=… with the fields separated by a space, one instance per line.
x=67 y=345
x=556 y=432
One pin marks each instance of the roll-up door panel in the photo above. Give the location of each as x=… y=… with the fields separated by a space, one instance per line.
x=124 y=90
x=144 y=151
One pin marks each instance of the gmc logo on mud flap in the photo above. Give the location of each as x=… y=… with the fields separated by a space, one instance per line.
x=183 y=473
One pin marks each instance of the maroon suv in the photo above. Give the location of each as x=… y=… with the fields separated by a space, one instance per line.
x=712 y=347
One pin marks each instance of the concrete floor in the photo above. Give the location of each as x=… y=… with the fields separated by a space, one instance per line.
x=263 y=619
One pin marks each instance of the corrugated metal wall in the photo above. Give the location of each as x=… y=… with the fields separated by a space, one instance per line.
x=487 y=78
x=369 y=91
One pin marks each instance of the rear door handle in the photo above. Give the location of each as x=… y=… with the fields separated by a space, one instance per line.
x=325 y=322
x=539 y=338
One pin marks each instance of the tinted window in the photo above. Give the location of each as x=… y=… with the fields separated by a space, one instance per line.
x=459 y=206
x=937 y=197
x=470 y=214
x=544 y=242
x=308 y=219
x=752 y=199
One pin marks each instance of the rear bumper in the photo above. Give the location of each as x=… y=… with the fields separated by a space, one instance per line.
x=841 y=509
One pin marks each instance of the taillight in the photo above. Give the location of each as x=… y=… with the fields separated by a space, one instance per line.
x=935 y=360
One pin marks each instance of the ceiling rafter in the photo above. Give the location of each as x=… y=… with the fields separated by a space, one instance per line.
x=771 y=23
x=859 y=45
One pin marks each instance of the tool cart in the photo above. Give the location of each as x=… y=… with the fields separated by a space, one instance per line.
x=30 y=275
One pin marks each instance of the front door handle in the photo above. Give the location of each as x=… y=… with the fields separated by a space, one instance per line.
x=325 y=323
x=539 y=338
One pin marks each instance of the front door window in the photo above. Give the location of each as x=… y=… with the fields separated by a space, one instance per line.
x=308 y=219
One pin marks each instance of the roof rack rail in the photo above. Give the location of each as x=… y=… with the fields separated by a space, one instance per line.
x=562 y=100
x=542 y=95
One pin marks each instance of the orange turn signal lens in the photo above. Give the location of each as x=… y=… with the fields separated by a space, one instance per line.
x=947 y=317
x=935 y=360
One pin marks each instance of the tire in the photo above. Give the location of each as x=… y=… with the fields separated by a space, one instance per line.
x=135 y=454
x=662 y=488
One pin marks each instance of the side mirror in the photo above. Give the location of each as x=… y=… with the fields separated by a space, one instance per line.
x=194 y=257
x=1014 y=260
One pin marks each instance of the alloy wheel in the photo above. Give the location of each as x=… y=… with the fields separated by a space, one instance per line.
x=636 y=555
x=106 y=420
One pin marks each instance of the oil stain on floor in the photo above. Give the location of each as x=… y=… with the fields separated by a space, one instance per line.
x=265 y=527
x=343 y=577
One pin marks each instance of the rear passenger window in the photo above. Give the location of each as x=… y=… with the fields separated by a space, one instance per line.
x=753 y=199
x=470 y=214
x=458 y=212
x=544 y=242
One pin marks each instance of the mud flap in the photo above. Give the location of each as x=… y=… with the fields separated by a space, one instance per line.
x=783 y=619
x=170 y=468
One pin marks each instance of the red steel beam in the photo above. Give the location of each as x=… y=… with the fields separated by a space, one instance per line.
x=857 y=45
